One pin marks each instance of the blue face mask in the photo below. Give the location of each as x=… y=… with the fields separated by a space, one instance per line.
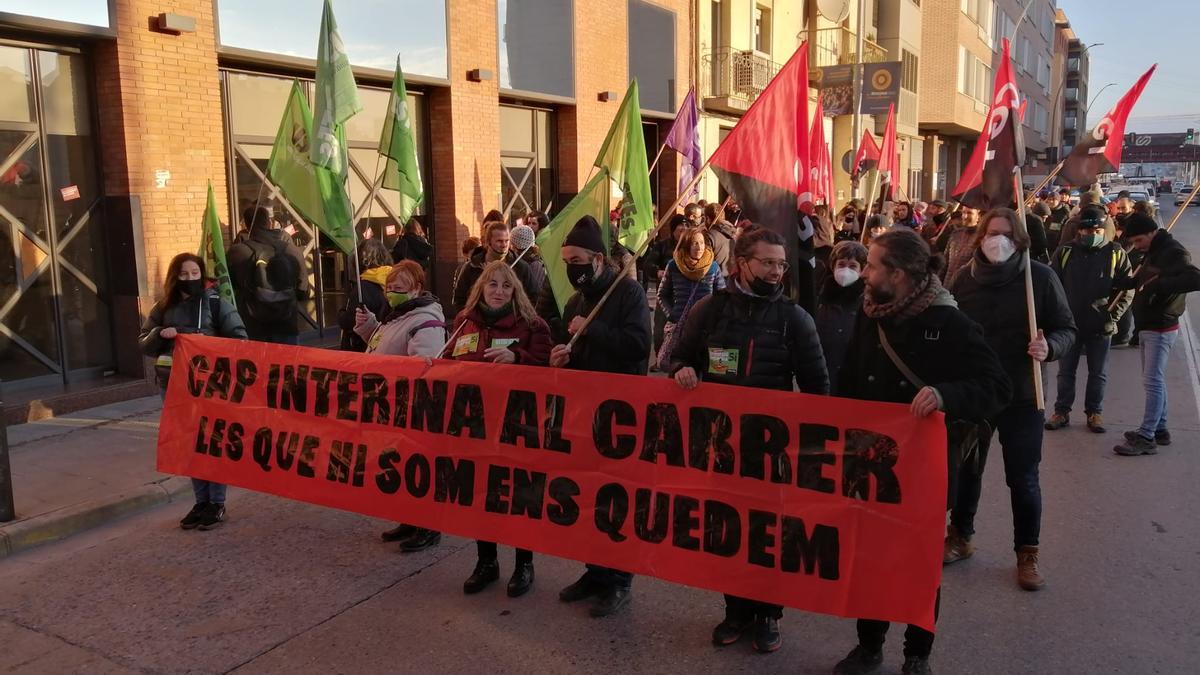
x=1093 y=240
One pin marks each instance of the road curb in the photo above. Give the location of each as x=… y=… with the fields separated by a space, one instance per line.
x=47 y=527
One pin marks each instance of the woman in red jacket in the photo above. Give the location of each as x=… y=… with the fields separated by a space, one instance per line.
x=499 y=325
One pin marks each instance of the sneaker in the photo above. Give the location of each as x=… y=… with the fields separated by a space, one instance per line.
x=957 y=547
x=193 y=517
x=1162 y=437
x=420 y=541
x=1135 y=445
x=1095 y=423
x=916 y=665
x=212 y=517
x=731 y=629
x=486 y=572
x=585 y=587
x=860 y=661
x=767 y=637
x=1029 y=577
x=1057 y=421
x=610 y=600
x=399 y=533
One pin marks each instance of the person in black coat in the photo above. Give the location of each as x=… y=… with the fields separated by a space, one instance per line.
x=497 y=240
x=616 y=341
x=839 y=303
x=1163 y=280
x=1090 y=268
x=268 y=298
x=375 y=263
x=751 y=317
x=413 y=245
x=991 y=290
x=945 y=350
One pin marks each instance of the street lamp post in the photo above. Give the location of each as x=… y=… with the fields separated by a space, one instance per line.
x=1088 y=107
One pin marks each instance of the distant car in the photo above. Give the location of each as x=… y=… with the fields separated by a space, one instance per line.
x=1137 y=193
x=1182 y=193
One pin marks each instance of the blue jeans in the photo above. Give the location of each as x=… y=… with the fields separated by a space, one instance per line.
x=208 y=491
x=1124 y=327
x=1095 y=348
x=1020 y=432
x=1156 y=348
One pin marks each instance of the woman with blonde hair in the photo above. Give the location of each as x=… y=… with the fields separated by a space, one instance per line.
x=691 y=275
x=498 y=324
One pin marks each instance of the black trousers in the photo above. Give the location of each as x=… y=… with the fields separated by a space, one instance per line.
x=609 y=577
x=917 y=640
x=487 y=551
x=743 y=608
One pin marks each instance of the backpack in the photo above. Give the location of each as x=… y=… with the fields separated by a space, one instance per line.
x=271 y=296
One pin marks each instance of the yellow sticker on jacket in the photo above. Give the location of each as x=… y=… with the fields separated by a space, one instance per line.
x=500 y=343
x=164 y=361
x=466 y=344
x=722 y=361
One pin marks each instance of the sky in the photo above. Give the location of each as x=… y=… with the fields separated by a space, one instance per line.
x=1136 y=34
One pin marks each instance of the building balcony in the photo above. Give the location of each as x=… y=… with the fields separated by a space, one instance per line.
x=731 y=79
x=837 y=46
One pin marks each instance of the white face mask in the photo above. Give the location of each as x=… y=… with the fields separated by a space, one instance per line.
x=998 y=248
x=845 y=276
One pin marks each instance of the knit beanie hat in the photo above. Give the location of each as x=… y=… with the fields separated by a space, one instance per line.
x=586 y=234
x=1139 y=223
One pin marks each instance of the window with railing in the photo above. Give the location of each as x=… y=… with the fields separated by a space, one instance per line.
x=762 y=29
x=736 y=74
x=837 y=46
x=1073 y=64
x=1072 y=94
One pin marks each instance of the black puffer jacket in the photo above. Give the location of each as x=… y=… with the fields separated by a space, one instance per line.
x=1088 y=276
x=994 y=297
x=618 y=340
x=1163 y=281
x=733 y=337
x=837 y=311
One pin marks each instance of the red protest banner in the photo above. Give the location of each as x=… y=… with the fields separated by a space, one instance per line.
x=827 y=505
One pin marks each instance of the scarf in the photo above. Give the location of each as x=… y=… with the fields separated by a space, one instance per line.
x=988 y=273
x=694 y=270
x=925 y=295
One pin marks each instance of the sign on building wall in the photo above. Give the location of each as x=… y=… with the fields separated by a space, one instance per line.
x=881 y=88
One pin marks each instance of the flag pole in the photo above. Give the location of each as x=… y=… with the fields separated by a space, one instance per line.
x=666 y=216
x=870 y=200
x=1039 y=396
x=657 y=157
x=1045 y=181
x=460 y=326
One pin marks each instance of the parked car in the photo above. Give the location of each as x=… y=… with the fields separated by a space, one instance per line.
x=1182 y=194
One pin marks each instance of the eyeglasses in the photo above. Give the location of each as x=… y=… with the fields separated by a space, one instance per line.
x=781 y=265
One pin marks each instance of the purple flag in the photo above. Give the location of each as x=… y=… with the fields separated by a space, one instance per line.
x=684 y=138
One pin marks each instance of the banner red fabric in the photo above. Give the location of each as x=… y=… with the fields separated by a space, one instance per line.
x=889 y=154
x=823 y=504
x=987 y=181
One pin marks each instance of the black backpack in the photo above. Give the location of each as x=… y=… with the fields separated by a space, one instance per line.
x=271 y=296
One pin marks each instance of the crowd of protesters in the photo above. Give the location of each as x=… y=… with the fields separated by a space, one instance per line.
x=923 y=304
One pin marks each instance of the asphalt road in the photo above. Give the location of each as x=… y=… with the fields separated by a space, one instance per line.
x=290 y=588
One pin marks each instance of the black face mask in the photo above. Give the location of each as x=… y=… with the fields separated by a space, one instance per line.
x=581 y=275
x=760 y=286
x=192 y=287
x=941 y=218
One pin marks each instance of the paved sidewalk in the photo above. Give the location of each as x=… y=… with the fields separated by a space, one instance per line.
x=84 y=469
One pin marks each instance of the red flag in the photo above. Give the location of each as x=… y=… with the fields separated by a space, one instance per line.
x=764 y=164
x=1100 y=150
x=889 y=154
x=867 y=156
x=987 y=181
x=819 y=158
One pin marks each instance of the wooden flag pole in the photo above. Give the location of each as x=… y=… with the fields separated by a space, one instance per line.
x=657 y=157
x=1174 y=219
x=870 y=202
x=666 y=216
x=1045 y=181
x=1039 y=396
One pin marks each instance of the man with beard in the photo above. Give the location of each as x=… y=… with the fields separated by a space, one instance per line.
x=958 y=243
x=912 y=345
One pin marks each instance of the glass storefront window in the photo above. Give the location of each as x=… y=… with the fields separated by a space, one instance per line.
x=652 y=54
x=372 y=30
x=536 y=39
x=87 y=12
x=16 y=85
x=527 y=160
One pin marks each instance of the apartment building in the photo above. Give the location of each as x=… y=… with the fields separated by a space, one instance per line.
x=1075 y=91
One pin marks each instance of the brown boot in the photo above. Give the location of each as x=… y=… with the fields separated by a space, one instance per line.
x=957 y=547
x=1028 y=575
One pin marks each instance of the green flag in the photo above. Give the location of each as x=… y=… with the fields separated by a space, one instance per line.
x=623 y=155
x=396 y=143
x=312 y=190
x=593 y=200
x=212 y=249
x=337 y=98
